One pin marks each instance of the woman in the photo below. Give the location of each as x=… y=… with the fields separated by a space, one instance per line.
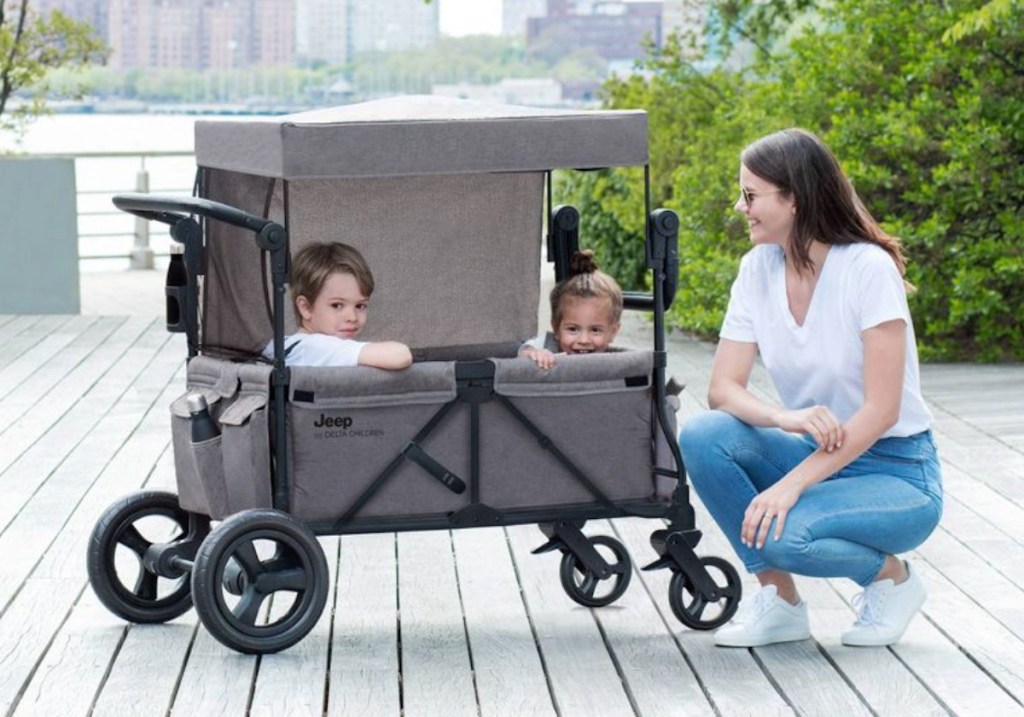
x=844 y=475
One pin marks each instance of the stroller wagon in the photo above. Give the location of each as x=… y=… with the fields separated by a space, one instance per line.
x=447 y=200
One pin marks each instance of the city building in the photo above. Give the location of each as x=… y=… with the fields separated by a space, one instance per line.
x=515 y=13
x=616 y=30
x=390 y=25
x=234 y=34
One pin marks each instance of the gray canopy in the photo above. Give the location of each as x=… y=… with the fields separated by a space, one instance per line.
x=422 y=135
x=444 y=197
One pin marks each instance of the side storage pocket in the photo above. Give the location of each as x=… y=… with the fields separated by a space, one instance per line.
x=246 y=445
x=209 y=464
x=199 y=469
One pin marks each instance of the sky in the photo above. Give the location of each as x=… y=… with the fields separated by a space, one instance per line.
x=469 y=17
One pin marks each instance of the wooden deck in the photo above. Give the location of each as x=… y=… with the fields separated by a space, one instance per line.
x=468 y=622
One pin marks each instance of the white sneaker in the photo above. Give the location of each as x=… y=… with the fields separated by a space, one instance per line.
x=885 y=611
x=766 y=620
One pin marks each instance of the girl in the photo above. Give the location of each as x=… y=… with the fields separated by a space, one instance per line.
x=586 y=311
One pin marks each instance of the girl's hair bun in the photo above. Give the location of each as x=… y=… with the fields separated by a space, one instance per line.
x=582 y=262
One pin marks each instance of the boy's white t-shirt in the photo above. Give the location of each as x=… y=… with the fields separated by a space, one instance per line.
x=822 y=361
x=317 y=350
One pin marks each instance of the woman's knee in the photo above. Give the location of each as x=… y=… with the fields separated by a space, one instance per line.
x=706 y=428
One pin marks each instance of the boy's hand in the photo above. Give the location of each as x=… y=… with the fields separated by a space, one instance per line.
x=542 y=357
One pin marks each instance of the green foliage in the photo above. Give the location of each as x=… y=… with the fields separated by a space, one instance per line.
x=983 y=18
x=31 y=45
x=609 y=222
x=931 y=132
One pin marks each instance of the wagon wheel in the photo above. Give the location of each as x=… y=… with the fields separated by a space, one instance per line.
x=114 y=559
x=586 y=587
x=250 y=557
x=693 y=609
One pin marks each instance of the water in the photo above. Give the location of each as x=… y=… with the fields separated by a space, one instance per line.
x=73 y=133
x=103 y=230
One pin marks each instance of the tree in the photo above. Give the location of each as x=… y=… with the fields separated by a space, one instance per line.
x=30 y=46
x=929 y=131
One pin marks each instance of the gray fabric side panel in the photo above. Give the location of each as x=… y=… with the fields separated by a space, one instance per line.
x=422 y=135
x=339 y=445
x=574 y=374
x=456 y=259
x=663 y=454
x=364 y=386
x=336 y=454
x=234 y=304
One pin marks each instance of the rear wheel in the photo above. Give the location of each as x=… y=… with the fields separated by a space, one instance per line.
x=114 y=560
x=260 y=581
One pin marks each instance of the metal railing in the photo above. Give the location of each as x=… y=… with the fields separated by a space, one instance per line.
x=108 y=234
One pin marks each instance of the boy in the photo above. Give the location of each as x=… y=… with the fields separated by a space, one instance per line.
x=331 y=285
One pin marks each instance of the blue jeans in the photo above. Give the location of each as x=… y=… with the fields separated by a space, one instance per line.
x=885 y=502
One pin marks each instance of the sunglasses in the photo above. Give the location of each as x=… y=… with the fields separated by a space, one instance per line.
x=748 y=196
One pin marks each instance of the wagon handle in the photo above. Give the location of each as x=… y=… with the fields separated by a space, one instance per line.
x=170 y=210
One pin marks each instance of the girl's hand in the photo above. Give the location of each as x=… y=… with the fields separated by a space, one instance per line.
x=772 y=504
x=542 y=357
x=817 y=421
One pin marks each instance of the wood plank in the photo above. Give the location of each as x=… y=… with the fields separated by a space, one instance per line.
x=733 y=679
x=128 y=441
x=56 y=428
x=61 y=571
x=75 y=664
x=996 y=655
x=49 y=346
x=36 y=387
x=143 y=679
x=583 y=676
x=510 y=677
x=364 y=671
x=25 y=332
x=294 y=681
x=146 y=667
x=26 y=629
x=658 y=676
x=216 y=680
x=436 y=673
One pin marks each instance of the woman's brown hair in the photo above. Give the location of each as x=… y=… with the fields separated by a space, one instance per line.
x=827 y=206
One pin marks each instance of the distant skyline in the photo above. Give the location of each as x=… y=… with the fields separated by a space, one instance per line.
x=470 y=17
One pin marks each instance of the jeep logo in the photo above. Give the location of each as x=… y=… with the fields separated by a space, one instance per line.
x=328 y=422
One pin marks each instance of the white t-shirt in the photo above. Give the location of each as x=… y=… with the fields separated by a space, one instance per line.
x=822 y=361
x=317 y=350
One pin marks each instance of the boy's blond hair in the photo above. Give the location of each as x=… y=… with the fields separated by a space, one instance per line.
x=313 y=265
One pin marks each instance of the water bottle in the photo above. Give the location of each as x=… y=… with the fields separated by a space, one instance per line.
x=203 y=426
x=177 y=277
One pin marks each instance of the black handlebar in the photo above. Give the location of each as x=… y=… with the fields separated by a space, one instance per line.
x=171 y=210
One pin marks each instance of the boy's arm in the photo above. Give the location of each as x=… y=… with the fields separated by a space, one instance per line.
x=385 y=354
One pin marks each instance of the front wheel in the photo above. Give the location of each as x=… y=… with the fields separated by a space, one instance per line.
x=248 y=559
x=115 y=558
x=693 y=609
x=589 y=589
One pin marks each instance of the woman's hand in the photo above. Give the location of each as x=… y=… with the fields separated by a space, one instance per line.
x=774 y=503
x=817 y=421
